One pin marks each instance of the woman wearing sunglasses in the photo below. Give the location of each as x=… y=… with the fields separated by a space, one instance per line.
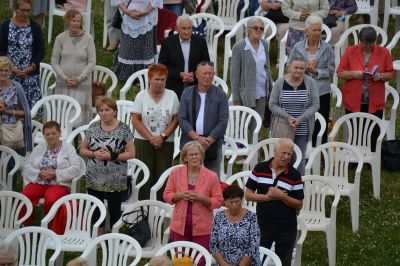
x=250 y=74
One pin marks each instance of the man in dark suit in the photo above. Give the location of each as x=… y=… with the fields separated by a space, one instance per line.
x=181 y=53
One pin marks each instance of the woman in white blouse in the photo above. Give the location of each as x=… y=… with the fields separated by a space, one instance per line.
x=137 y=46
x=155 y=118
x=49 y=170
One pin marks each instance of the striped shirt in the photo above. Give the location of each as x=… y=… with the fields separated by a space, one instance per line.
x=274 y=214
x=294 y=101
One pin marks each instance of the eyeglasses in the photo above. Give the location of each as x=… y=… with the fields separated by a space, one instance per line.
x=204 y=63
x=257 y=28
x=27 y=11
x=368 y=43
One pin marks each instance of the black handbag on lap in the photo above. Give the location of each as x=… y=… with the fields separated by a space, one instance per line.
x=117 y=19
x=330 y=21
x=139 y=228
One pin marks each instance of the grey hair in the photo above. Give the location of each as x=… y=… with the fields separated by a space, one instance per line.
x=160 y=261
x=180 y=19
x=6 y=250
x=283 y=141
x=251 y=22
x=297 y=57
x=311 y=20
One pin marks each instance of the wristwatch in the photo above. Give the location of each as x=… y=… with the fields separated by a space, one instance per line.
x=165 y=137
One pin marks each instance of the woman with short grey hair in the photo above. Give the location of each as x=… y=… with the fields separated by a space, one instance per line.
x=320 y=66
x=250 y=74
x=294 y=98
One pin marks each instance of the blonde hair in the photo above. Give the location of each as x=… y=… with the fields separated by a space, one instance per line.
x=188 y=146
x=160 y=261
x=77 y=262
x=108 y=101
x=69 y=15
x=5 y=61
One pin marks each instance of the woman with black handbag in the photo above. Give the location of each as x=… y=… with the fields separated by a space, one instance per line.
x=294 y=101
x=15 y=122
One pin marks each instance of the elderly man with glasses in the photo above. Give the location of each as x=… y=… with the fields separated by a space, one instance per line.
x=181 y=53
x=203 y=115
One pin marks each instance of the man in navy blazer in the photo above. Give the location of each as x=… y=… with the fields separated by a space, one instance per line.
x=181 y=53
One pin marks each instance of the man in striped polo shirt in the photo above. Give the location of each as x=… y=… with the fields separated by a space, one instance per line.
x=278 y=190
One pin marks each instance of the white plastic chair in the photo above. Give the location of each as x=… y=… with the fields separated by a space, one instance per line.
x=228 y=12
x=124 y=113
x=11 y=204
x=336 y=158
x=391 y=123
x=79 y=231
x=267 y=147
x=33 y=244
x=298 y=247
x=136 y=169
x=116 y=250
x=160 y=183
x=220 y=83
x=77 y=132
x=178 y=249
x=364 y=7
x=239 y=125
x=55 y=11
x=140 y=77
x=227 y=168
x=239 y=32
x=353 y=33
x=214 y=29
x=391 y=8
x=314 y=214
x=103 y=74
x=47 y=74
x=158 y=213
x=6 y=154
x=282 y=48
x=61 y=108
x=336 y=94
x=323 y=127
x=240 y=179
x=268 y=257
x=358 y=128
x=396 y=62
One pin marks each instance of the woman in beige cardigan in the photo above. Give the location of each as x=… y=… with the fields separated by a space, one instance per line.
x=73 y=60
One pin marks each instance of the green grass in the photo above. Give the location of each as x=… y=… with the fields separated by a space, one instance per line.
x=378 y=240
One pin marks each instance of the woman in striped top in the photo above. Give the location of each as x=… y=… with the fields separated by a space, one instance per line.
x=295 y=98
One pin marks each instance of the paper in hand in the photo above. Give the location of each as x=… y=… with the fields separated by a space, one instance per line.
x=372 y=73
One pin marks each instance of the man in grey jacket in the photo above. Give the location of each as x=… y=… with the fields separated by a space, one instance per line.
x=208 y=123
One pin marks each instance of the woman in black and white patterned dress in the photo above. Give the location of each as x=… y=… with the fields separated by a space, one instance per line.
x=137 y=46
x=235 y=237
x=107 y=145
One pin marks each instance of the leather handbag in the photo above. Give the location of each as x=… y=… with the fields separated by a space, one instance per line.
x=12 y=135
x=98 y=89
x=139 y=228
x=117 y=19
x=330 y=21
x=280 y=128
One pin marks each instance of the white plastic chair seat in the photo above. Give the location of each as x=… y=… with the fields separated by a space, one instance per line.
x=315 y=223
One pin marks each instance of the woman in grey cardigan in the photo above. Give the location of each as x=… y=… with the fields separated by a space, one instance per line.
x=320 y=66
x=250 y=75
x=73 y=60
x=295 y=98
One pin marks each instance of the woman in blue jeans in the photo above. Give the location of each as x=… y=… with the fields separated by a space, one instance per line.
x=295 y=97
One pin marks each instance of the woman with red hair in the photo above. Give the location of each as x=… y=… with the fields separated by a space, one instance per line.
x=155 y=118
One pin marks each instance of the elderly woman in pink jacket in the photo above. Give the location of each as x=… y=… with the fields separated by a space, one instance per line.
x=195 y=191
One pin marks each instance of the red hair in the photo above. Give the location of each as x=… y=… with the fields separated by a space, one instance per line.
x=157 y=68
